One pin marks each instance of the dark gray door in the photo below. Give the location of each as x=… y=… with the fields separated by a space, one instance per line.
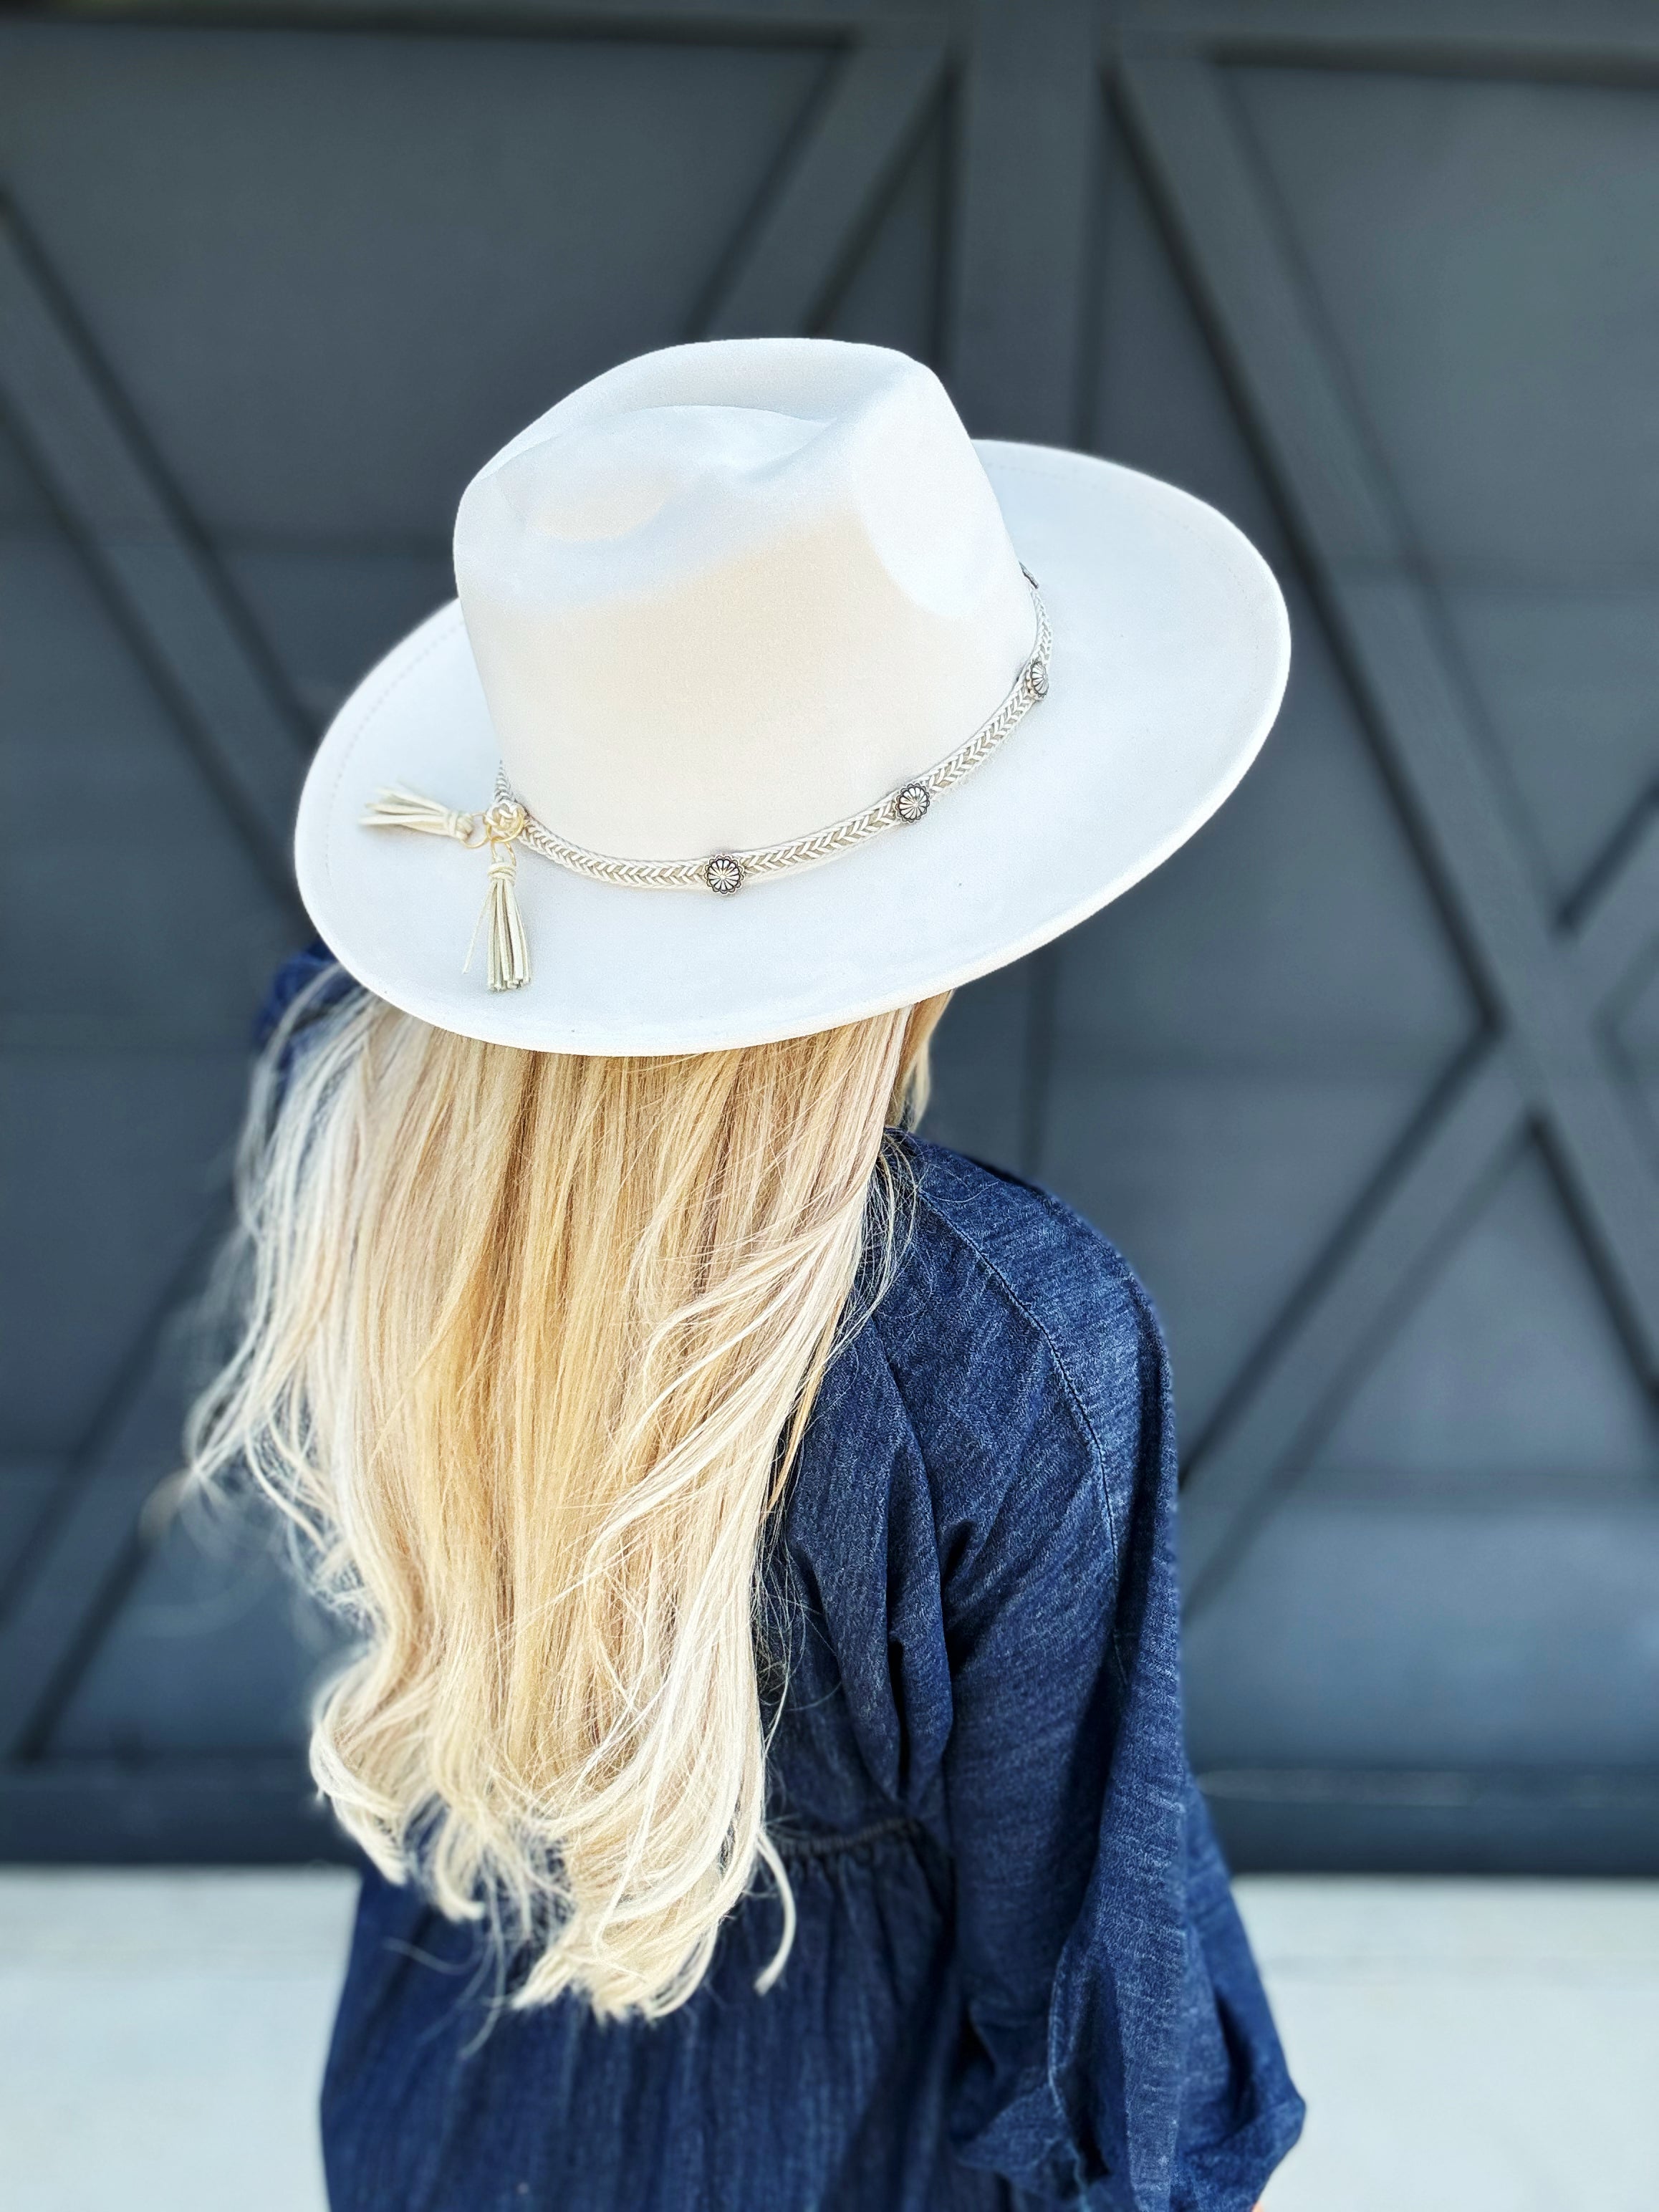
x=1363 y=1081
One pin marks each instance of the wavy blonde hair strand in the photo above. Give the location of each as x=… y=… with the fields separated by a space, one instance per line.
x=528 y=1343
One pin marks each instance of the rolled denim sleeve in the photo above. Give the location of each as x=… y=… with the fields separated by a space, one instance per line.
x=1118 y=2049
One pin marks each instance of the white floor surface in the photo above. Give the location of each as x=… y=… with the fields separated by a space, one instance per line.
x=161 y=2037
x=1465 y=2046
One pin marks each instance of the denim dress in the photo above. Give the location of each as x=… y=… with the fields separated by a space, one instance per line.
x=1017 y=1976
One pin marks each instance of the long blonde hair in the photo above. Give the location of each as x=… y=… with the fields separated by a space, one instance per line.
x=528 y=1344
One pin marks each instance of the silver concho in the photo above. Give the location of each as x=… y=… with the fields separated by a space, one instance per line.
x=911 y=801
x=723 y=874
x=1036 y=680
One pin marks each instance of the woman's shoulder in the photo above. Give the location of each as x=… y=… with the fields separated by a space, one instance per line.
x=1027 y=1259
x=1007 y=1299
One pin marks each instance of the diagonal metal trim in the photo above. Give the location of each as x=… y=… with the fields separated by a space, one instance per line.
x=1237 y=1472
x=1621 y=928
x=247 y=737
x=120 y=511
x=1546 y=984
x=852 y=146
x=75 y=1571
x=1549 y=1020
x=1236 y=1476
x=1383 y=614
x=1321 y=465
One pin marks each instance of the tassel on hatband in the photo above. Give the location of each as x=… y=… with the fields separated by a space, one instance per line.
x=397 y=809
x=507 y=944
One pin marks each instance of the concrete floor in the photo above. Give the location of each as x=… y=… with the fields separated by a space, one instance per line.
x=1465 y=2046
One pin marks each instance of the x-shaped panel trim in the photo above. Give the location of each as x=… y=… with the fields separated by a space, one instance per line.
x=179 y=610
x=1545 y=985
x=839 y=173
x=171 y=597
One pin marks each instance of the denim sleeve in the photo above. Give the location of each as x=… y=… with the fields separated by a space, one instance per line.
x=309 y=981
x=1119 y=2051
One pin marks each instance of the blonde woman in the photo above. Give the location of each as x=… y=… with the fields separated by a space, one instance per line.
x=762 y=1725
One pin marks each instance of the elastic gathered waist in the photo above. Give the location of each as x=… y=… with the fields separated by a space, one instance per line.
x=830 y=1846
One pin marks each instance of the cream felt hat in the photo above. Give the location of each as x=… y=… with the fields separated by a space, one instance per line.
x=770 y=700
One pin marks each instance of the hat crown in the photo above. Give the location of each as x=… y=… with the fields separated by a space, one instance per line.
x=727 y=594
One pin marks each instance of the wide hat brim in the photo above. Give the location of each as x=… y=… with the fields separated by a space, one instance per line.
x=1171 y=646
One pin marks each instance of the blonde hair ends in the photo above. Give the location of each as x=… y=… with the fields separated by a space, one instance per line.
x=528 y=1344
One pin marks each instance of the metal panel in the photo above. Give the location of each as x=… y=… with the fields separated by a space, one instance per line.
x=1387 y=1583
x=1365 y=1080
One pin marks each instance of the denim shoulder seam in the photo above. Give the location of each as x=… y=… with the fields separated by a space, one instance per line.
x=1097 y=1451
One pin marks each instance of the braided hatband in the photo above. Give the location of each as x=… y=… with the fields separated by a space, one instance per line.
x=725 y=873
